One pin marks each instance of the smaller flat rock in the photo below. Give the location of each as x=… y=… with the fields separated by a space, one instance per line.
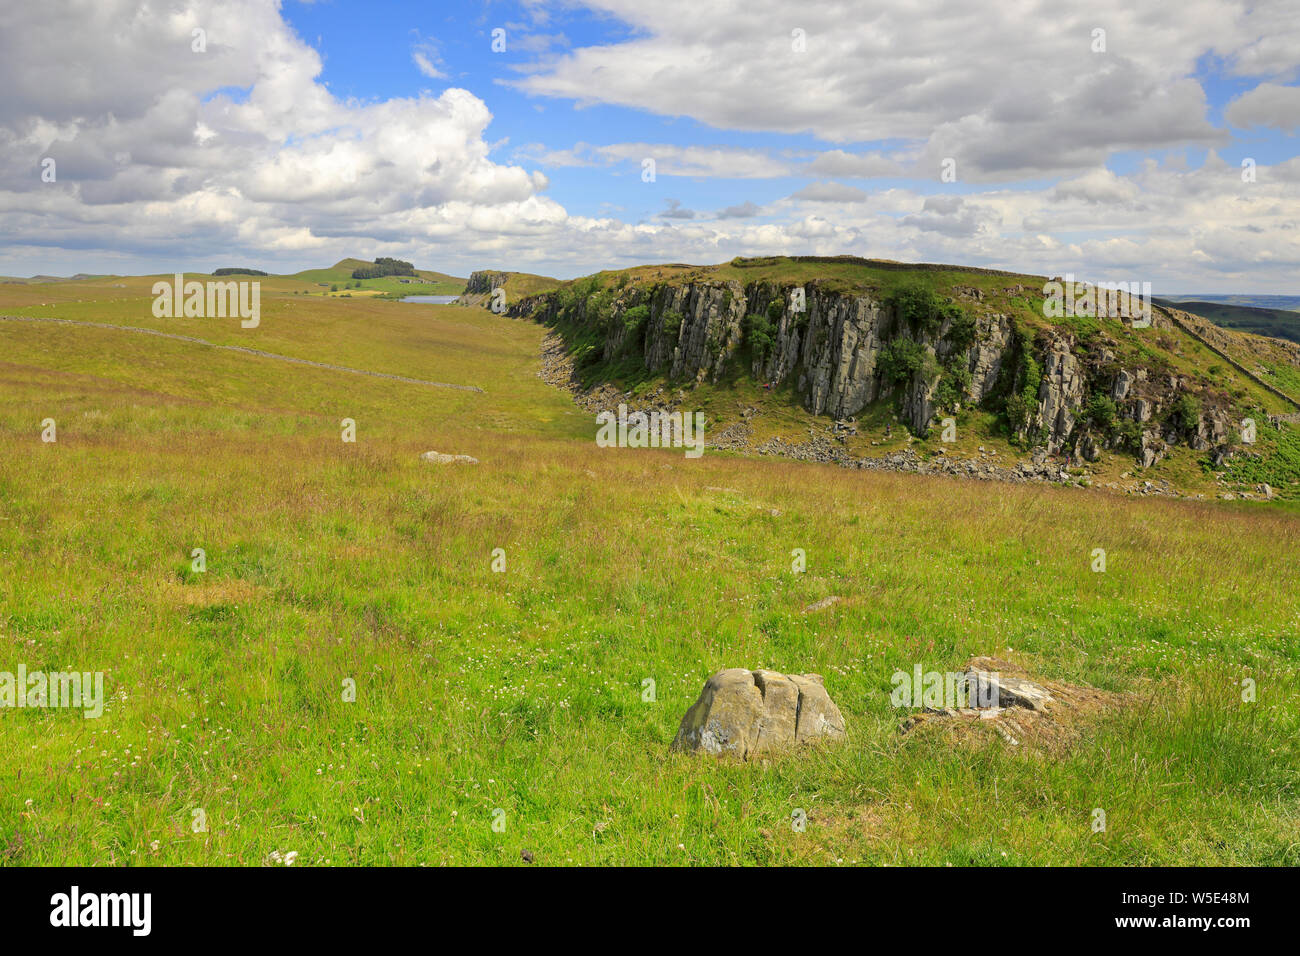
x=821 y=605
x=438 y=458
x=1009 y=691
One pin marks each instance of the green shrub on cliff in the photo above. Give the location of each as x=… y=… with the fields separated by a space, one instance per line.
x=759 y=333
x=900 y=360
x=1186 y=412
x=635 y=318
x=953 y=386
x=1025 y=372
x=1101 y=411
x=925 y=311
x=961 y=333
x=672 y=324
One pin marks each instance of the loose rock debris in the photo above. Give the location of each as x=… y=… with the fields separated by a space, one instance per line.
x=1042 y=715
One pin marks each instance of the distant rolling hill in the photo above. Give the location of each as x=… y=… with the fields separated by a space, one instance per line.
x=342 y=270
x=424 y=282
x=37 y=280
x=1277 y=319
x=1287 y=303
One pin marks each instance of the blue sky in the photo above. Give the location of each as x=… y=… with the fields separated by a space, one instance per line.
x=309 y=131
x=363 y=58
x=372 y=61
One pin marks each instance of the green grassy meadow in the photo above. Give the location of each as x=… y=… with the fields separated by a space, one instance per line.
x=522 y=691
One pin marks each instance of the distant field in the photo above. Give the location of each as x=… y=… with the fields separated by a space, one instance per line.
x=1280 y=302
x=522 y=691
x=1281 y=321
x=336 y=280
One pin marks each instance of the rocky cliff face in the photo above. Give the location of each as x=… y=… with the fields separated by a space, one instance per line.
x=829 y=347
x=831 y=350
x=482 y=283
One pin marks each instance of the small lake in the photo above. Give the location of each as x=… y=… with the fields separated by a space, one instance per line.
x=432 y=299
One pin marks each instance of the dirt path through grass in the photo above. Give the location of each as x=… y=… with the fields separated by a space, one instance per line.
x=240 y=348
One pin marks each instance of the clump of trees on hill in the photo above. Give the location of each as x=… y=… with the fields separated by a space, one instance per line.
x=384 y=267
x=238 y=272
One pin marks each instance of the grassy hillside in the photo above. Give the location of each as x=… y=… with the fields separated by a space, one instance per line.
x=522 y=691
x=340 y=274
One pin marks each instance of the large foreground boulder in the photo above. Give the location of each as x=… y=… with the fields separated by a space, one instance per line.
x=743 y=713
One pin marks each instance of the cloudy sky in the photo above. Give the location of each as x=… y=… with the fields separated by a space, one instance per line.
x=1115 y=139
